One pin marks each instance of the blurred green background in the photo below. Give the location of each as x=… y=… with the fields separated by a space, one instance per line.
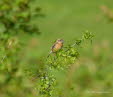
x=68 y=19
x=92 y=75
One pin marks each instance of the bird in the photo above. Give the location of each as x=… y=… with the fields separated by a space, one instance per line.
x=56 y=46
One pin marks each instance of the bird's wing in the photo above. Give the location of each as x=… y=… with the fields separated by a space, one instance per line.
x=53 y=46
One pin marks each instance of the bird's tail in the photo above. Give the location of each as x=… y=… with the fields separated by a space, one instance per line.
x=49 y=54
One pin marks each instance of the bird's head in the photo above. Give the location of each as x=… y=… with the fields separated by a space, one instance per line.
x=60 y=41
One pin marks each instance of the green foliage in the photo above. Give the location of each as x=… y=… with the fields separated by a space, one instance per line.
x=15 y=21
x=69 y=53
x=46 y=84
x=61 y=60
x=16 y=15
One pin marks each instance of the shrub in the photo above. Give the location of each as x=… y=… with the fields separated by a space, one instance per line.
x=60 y=61
x=15 y=20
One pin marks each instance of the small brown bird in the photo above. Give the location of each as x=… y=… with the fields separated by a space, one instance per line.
x=57 y=46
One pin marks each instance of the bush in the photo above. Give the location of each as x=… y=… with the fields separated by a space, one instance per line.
x=15 y=21
x=62 y=60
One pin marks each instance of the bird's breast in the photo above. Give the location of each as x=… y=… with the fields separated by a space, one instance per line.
x=57 y=47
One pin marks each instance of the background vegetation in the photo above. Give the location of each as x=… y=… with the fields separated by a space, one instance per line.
x=28 y=30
